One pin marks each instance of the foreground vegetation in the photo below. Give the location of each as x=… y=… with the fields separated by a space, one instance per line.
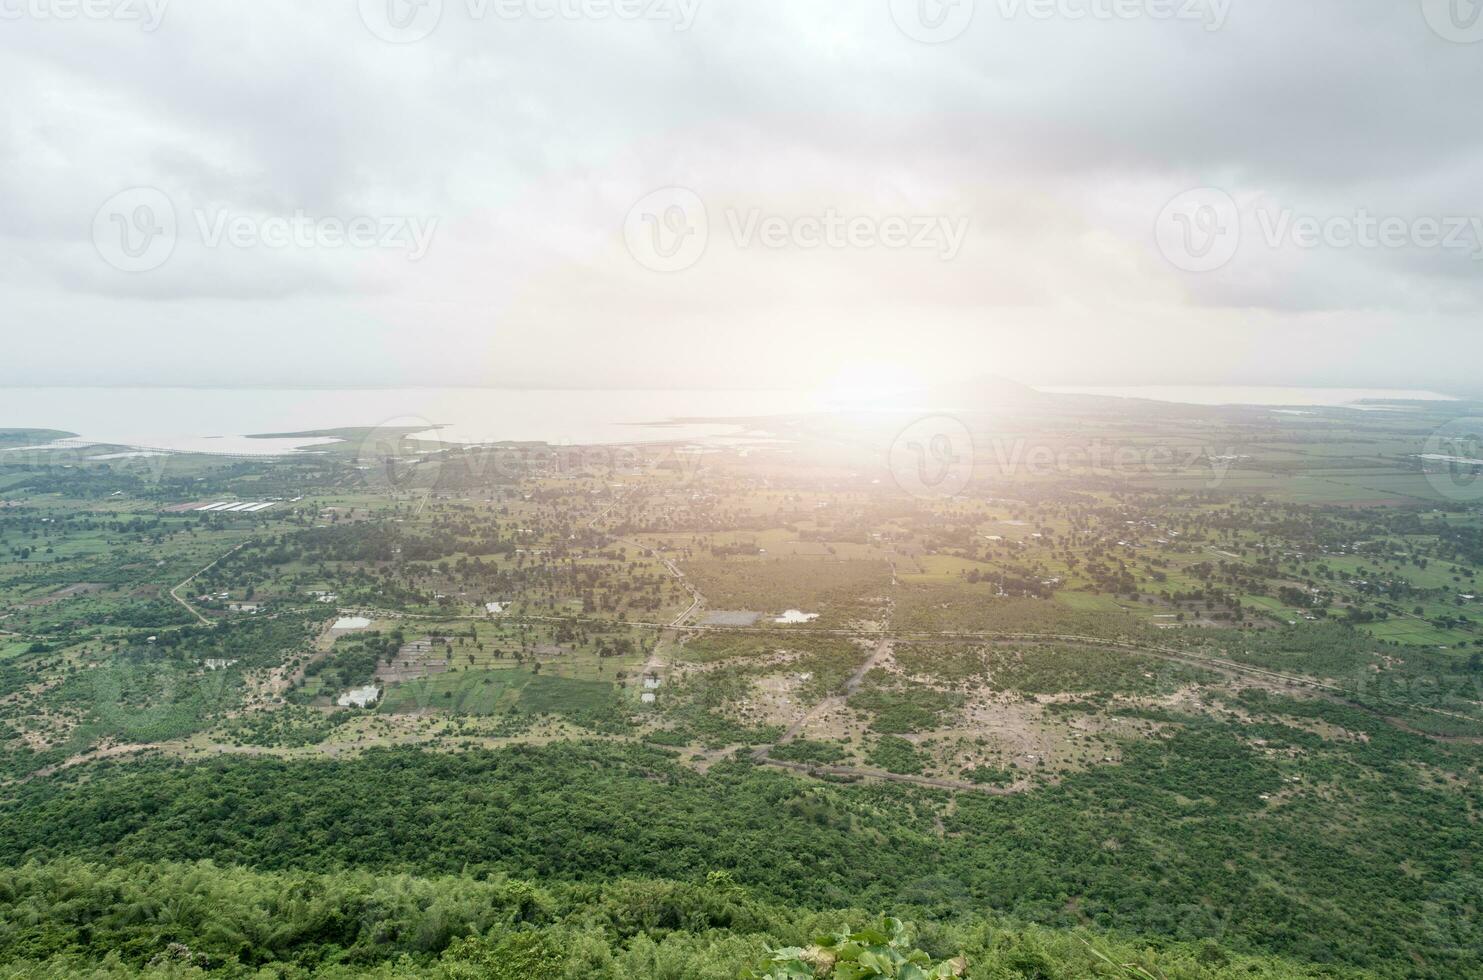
x=1176 y=842
x=69 y=919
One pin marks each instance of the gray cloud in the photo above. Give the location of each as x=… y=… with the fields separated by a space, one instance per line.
x=527 y=141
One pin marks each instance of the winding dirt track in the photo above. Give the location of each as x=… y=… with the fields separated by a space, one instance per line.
x=175 y=592
x=828 y=704
x=1164 y=653
x=886 y=636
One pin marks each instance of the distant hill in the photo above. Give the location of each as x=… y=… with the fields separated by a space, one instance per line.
x=32 y=437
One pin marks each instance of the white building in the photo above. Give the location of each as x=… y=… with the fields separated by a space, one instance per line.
x=360 y=697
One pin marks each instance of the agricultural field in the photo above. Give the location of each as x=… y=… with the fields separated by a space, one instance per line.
x=1139 y=660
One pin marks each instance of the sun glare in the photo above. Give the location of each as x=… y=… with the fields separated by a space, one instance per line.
x=871 y=386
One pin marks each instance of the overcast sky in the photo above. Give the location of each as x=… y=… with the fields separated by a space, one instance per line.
x=747 y=193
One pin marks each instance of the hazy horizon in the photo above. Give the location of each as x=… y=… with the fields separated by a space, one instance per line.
x=1114 y=391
